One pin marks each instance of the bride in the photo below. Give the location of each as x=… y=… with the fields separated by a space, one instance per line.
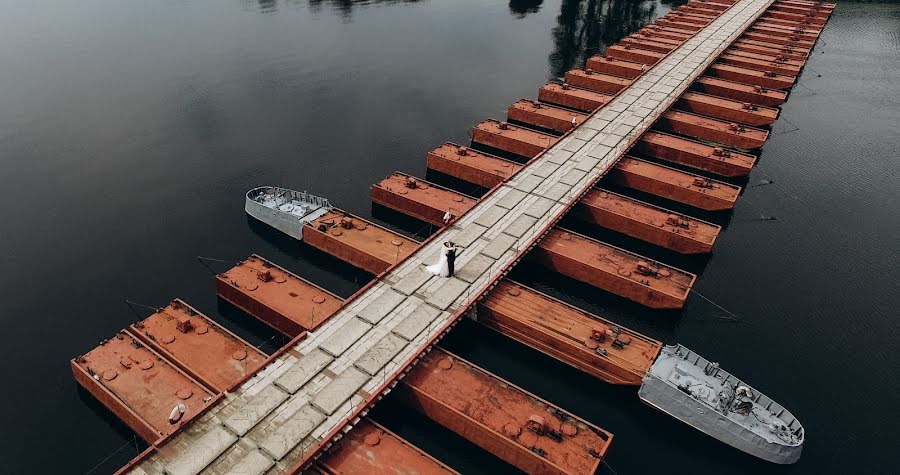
x=441 y=268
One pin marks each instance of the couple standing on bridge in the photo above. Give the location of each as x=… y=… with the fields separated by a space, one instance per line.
x=445 y=266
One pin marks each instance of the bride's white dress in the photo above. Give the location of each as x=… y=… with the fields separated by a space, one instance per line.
x=440 y=267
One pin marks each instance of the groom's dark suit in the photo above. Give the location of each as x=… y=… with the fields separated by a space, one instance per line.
x=451 y=261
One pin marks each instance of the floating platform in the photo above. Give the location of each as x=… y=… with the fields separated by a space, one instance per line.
x=727 y=109
x=664 y=32
x=769 y=49
x=761 y=62
x=420 y=199
x=766 y=79
x=739 y=91
x=712 y=130
x=585 y=341
x=472 y=166
x=650 y=223
x=695 y=154
x=778 y=38
x=199 y=346
x=366 y=245
x=545 y=116
x=139 y=386
x=641 y=41
x=594 y=81
x=676 y=185
x=512 y=138
x=635 y=54
x=615 y=270
x=371 y=449
x=616 y=67
x=516 y=426
x=572 y=97
x=276 y=296
x=672 y=23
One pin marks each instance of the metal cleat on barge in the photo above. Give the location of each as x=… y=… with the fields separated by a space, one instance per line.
x=697 y=392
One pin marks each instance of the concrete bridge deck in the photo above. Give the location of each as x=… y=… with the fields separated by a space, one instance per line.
x=283 y=417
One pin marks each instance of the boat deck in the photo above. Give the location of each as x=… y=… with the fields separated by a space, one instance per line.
x=651 y=223
x=615 y=270
x=594 y=345
x=278 y=297
x=469 y=165
x=676 y=185
x=371 y=449
x=572 y=97
x=420 y=199
x=199 y=346
x=520 y=428
x=117 y=373
x=359 y=242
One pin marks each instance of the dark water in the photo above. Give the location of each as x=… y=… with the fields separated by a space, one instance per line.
x=130 y=130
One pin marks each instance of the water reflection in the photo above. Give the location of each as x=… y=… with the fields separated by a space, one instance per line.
x=521 y=8
x=344 y=8
x=586 y=27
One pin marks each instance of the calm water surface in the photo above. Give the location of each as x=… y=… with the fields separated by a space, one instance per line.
x=130 y=130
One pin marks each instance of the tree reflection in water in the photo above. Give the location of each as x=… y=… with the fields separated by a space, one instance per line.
x=587 y=27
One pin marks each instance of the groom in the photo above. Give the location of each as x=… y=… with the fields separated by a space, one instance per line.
x=451 y=259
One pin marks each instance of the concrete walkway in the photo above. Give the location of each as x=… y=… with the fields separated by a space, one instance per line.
x=280 y=416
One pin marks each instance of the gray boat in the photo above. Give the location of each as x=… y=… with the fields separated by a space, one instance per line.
x=686 y=386
x=285 y=210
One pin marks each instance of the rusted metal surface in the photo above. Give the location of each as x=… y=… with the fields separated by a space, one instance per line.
x=545 y=116
x=727 y=109
x=512 y=138
x=199 y=346
x=720 y=5
x=594 y=81
x=420 y=199
x=650 y=223
x=472 y=166
x=761 y=47
x=799 y=34
x=669 y=22
x=572 y=97
x=616 y=67
x=811 y=23
x=615 y=270
x=139 y=386
x=371 y=449
x=739 y=91
x=657 y=31
x=636 y=54
x=516 y=426
x=760 y=63
x=768 y=37
x=766 y=79
x=768 y=57
x=695 y=154
x=687 y=17
x=712 y=130
x=276 y=296
x=359 y=242
x=699 y=9
x=651 y=44
x=675 y=185
x=802 y=29
x=585 y=341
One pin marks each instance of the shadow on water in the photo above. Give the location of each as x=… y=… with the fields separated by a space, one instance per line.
x=121 y=455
